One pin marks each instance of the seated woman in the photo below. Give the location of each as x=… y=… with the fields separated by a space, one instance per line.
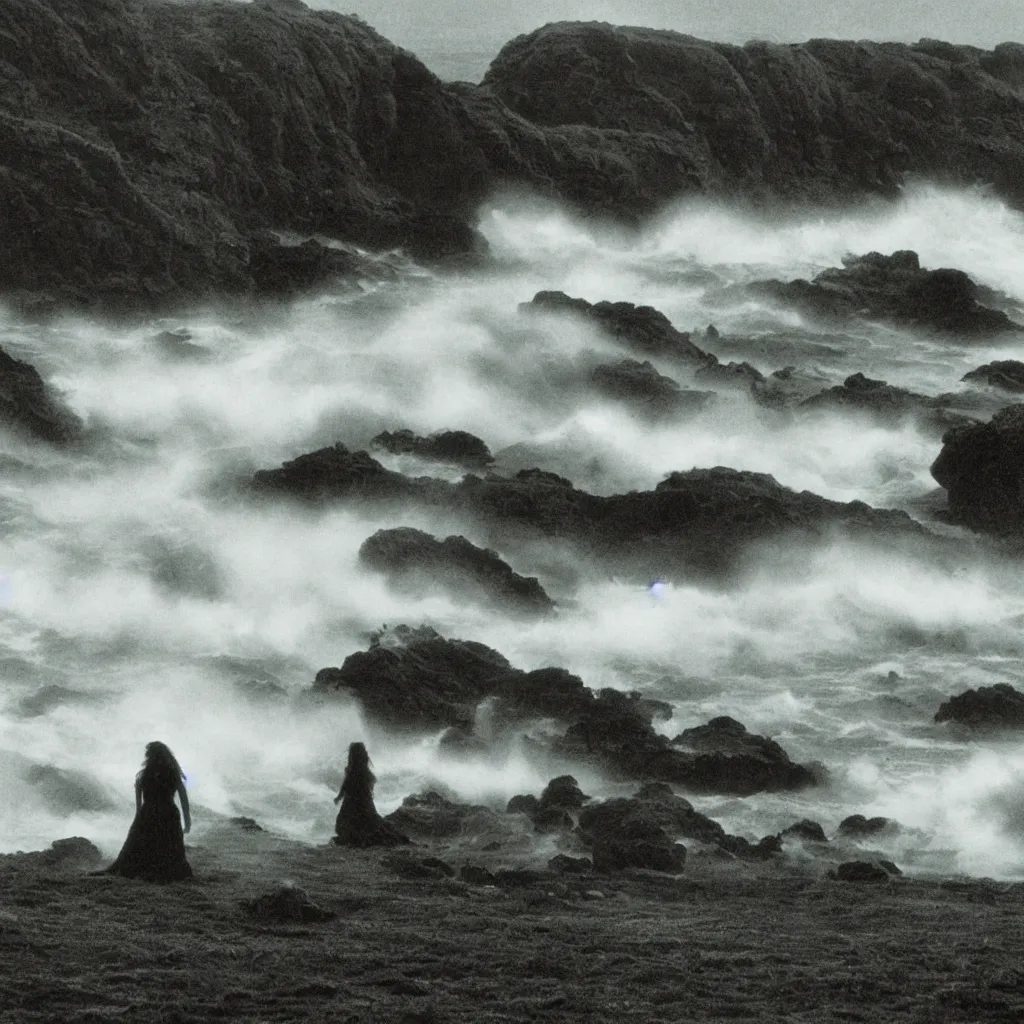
x=155 y=847
x=358 y=823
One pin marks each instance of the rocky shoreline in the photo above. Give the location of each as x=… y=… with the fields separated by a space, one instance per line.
x=158 y=152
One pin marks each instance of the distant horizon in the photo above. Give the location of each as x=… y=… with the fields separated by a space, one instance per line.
x=440 y=24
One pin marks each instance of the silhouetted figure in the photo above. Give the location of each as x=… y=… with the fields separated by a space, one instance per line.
x=155 y=847
x=358 y=823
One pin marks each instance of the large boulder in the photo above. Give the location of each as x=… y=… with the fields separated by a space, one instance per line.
x=415 y=678
x=982 y=468
x=985 y=710
x=416 y=561
x=893 y=289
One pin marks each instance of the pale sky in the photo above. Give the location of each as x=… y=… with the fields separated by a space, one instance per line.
x=434 y=23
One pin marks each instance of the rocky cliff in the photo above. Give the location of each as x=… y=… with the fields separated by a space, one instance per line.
x=148 y=146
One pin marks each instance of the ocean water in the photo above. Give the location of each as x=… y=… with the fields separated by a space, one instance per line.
x=144 y=596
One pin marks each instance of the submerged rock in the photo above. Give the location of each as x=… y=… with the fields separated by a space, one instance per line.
x=415 y=560
x=454 y=446
x=894 y=289
x=982 y=468
x=856 y=826
x=985 y=710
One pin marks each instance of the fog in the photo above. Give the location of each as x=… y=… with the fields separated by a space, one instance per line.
x=148 y=596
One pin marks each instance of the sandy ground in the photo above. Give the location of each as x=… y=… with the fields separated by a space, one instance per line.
x=721 y=942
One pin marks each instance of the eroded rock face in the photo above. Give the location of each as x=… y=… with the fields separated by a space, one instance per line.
x=894 y=289
x=646 y=391
x=985 y=710
x=982 y=468
x=413 y=559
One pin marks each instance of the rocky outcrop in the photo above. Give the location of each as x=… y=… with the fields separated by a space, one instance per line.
x=982 y=468
x=885 y=403
x=1005 y=374
x=894 y=289
x=414 y=560
x=28 y=406
x=818 y=120
x=458 y=447
x=149 y=145
x=642 y=329
x=987 y=709
x=644 y=390
x=695 y=523
x=856 y=826
x=416 y=679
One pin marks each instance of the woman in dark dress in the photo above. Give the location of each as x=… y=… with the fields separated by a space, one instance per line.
x=358 y=823
x=155 y=847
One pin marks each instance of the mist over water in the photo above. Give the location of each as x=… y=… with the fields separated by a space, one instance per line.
x=144 y=595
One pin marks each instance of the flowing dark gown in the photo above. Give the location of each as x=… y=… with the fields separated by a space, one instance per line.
x=359 y=824
x=155 y=847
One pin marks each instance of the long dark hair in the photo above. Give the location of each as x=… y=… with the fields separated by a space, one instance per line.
x=359 y=777
x=160 y=766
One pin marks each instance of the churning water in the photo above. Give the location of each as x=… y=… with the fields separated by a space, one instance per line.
x=144 y=596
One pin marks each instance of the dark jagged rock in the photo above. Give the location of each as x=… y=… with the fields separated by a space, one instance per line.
x=741 y=376
x=856 y=826
x=647 y=391
x=523 y=803
x=72 y=852
x=860 y=871
x=288 y=904
x=894 y=289
x=26 y=404
x=542 y=693
x=454 y=446
x=563 y=791
x=985 y=710
x=764 y=849
x=640 y=328
x=623 y=836
x=732 y=760
x=563 y=864
x=277 y=269
x=789 y=387
x=417 y=678
x=415 y=560
x=982 y=468
x=474 y=874
x=1005 y=374
x=696 y=522
x=806 y=829
x=656 y=804
x=432 y=816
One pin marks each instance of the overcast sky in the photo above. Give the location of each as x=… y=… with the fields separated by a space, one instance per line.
x=430 y=23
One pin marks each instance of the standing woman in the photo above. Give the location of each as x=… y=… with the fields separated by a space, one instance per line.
x=358 y=823
x=155 y=847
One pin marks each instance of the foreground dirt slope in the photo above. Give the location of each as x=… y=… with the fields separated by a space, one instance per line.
x=717 y=943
